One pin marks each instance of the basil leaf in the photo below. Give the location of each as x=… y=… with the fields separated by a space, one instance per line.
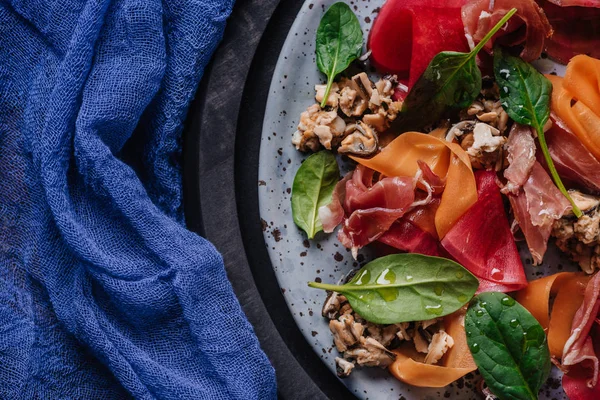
x=312 y=188
x=339 y=42
x=451 y=80
x=508 y=345
x=407 y=287
x=525 y=94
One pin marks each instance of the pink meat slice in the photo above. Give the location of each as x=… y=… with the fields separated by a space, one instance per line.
x=528 y=27
x=580 y=354
x=572 y=159
x=521 y=156
x=536 y=206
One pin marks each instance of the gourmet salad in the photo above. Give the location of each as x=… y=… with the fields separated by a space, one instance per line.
x=459 y=147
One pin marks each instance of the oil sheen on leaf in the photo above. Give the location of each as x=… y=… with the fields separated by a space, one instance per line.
x=312 y=188
x=508 y=345
x=339 y=42
x=407 y=287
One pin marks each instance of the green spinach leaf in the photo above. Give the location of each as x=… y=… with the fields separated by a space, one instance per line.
x=508 y=345
x=452 y=80
x=525 y=94
x=407 y=287
x=312 y=188
x=339 y=42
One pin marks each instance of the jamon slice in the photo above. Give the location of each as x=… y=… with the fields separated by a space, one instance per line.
x=572 y=159
x=482 y=240
x=528 y=27
x=581 y=351
x=369 y=207
x=521 y=156
x=576 y=29
x=578 y=3
x=536 y=207
x=407 y=34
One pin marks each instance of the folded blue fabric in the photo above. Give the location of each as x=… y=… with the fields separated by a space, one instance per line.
x=103 y=293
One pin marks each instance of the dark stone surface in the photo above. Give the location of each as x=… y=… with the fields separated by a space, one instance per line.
x=221 y=143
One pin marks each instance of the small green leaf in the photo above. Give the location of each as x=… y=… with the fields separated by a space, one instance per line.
x=525 y=96
x=312 y=188
x=339 y=42
x=508 y=345
x=452 y=80
x=407 y=287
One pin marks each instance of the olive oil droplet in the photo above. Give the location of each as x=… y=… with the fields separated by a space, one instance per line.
x=462 y=298
x=514 y=323
x=363 y=278
x=508 y=301
x=475 y=348
x=386 y=277
x=479 y=313
x=434 y=309
x=388 y=294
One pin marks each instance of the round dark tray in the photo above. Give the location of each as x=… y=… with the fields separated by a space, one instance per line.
x=221 y=146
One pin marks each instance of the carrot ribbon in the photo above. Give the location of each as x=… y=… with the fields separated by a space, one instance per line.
x=457 y=361
x=576 y=100
x=568 y=289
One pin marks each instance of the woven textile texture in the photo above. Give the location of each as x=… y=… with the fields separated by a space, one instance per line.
x=103 y=292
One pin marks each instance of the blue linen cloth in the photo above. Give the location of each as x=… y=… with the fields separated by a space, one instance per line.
x=103 y=293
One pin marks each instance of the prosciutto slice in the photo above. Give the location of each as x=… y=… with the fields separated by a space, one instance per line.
x=521 y=156
x=578 y=3
x=536 y=206
x=529 y=27
x=369 y=209
x=580 y=354
x=576 y=28
x=572 y=159
x=579 y=347
x=333 y=214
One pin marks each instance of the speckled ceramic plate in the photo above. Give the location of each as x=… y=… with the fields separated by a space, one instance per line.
x=297 y=260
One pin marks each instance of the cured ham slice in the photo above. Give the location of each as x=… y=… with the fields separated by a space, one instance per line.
x=536 y=206
x=448 y=160
x=536 y=236
x=529 y=26
x=482 y=241
x=576 y=28
x=333 y=214
x=572 y=160
x=521 y=156
x=578 y=3
x=403 y=39
x=371 y=208
x=579 y=348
